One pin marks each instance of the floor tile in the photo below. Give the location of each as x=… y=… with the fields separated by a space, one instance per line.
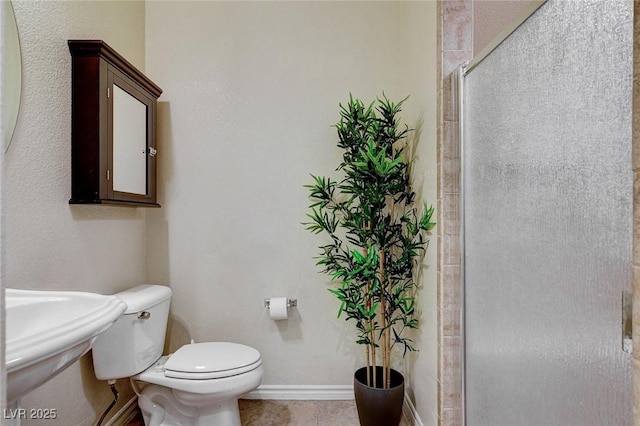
x=268 y=413
x=337 y=413
x=255 y=412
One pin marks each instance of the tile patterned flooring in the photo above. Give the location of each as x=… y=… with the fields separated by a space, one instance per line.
x=255 y=412
x=299 y=413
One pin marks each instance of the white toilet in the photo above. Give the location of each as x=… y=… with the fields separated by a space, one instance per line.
x=197 y=385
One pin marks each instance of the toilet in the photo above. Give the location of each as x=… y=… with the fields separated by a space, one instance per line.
x=197 y=385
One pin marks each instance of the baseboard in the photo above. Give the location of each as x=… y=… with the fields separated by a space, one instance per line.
x=124 y=414
x=301 y=392
x=410 y=413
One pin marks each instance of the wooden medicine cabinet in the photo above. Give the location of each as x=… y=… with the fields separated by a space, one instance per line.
x=113 y=128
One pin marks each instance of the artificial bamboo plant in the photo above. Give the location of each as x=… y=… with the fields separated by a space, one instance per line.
x=377 y=235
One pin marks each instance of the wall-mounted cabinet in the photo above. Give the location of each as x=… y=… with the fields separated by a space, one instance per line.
x=113 y=128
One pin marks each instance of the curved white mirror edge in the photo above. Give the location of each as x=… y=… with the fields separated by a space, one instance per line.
x=11 y=73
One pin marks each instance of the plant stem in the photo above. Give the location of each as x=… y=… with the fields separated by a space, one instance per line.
x=367 y=305
x=386 y=285
x=383 y=317
x=368 y=365
x=373 y=364
x=370 y=353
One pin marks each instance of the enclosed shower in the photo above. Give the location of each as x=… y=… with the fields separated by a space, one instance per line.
x=547 y=214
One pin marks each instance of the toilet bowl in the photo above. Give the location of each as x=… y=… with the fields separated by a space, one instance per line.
x=199 y=384
x=202 y=381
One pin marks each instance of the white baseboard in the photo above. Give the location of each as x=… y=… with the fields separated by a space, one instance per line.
x=123 y=415
x=410 y=413
x=301 y=392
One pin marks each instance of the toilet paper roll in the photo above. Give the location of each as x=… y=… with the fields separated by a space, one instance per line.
x=278 y=308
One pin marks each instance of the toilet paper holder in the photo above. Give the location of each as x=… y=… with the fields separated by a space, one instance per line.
x=290 y=303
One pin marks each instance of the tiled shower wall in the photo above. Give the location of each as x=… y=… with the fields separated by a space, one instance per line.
x=636 y=214
x=456 y=34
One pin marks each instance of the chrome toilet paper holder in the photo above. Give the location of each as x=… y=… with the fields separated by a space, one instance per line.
x=290 y=303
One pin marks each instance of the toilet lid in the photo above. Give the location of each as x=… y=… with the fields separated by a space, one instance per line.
x=211 y=360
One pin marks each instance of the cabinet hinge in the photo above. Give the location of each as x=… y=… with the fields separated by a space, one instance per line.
x=108 y=175
x=108 y=93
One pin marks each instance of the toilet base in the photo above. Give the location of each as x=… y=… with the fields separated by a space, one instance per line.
x=160 y=408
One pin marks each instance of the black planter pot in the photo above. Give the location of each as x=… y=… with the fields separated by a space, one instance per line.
x=377 y=406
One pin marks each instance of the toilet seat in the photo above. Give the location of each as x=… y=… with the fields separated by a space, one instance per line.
x=211 y=360
x=155 y=375
x=230 y=381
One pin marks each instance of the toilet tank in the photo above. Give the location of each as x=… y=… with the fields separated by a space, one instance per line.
x=136 y=340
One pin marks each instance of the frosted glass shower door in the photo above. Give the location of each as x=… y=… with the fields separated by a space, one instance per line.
x=547 y=202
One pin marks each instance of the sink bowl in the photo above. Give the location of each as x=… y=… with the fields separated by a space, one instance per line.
x=47 y=331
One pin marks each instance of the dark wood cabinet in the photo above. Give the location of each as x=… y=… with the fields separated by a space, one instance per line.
x=113 y=128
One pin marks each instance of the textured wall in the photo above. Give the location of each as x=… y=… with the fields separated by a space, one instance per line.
x=418 y=78
x=457 y=47
x=250 y=93
x=636 y=214
x=48 y=243
x=250 y=97
x=491 y=17
x=4 y=16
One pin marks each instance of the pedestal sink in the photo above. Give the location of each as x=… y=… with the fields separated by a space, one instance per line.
x=47 y=331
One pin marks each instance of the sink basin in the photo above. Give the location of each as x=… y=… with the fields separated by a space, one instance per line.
x=47 y=331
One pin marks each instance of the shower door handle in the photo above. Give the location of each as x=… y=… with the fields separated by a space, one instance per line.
x=627 y=322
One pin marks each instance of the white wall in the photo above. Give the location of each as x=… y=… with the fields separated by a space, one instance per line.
x=250 y=93
x=420 y=52
x=48 y=243
x=4 y=102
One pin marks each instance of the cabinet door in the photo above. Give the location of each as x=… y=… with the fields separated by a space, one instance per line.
x=131 y=138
